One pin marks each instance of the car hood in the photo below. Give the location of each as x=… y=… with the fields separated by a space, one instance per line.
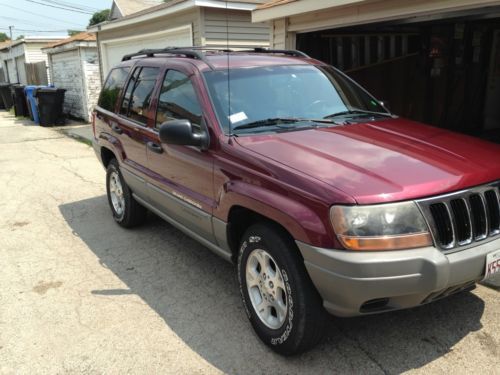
x=383 y=161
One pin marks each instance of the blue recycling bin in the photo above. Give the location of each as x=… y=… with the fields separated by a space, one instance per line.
x=32 y=104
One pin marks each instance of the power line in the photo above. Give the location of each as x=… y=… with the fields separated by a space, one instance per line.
x=31 y=24
x=58 y=7
x=35 y=31
x=71 y=5
x=39 y=15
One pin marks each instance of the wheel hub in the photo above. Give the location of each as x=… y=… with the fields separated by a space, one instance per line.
x=116 y=193
x=266 y=288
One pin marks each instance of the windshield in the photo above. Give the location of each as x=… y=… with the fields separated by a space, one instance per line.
x=258 y=95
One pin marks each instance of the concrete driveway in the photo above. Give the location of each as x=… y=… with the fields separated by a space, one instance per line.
x=81 y=295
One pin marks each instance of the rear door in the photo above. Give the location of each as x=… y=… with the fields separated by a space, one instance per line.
x=105 y=111
x=130 y=125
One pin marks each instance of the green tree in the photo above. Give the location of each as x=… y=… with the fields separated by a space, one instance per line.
x=73 y=32
x=99 y=17
x=20 y=37
x=3 y=37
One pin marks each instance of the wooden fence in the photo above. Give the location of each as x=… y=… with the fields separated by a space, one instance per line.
x=36 y=73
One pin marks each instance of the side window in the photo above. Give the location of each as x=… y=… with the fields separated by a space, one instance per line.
x=178 y=100
x=139 y=93
x=112 y=87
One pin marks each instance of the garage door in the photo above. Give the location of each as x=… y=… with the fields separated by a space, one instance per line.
x=112 y=51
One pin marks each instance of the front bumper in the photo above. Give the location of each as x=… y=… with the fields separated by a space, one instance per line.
x=356 y=283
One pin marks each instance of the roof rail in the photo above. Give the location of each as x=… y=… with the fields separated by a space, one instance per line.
x=188 y=52
x=197 y=52
x=289 y=52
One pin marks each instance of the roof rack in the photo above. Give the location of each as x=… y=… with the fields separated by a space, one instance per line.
x=188 y=52
x=197 y=52
x=289 y=52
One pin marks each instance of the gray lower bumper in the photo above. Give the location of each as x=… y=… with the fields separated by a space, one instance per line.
x=347 y=280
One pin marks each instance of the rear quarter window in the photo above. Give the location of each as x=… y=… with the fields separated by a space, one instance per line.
x=112 y=87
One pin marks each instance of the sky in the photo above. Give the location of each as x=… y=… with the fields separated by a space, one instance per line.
x=30 y=17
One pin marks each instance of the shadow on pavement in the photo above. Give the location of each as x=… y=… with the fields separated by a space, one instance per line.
x=196 y=294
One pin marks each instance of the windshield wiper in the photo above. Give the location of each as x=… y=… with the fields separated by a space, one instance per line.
x=277 y=121
x=357 y=112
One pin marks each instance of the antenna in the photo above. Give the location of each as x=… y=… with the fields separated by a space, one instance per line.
x=228 y=74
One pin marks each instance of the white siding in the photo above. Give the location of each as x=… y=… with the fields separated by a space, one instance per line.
x=190 y=17
x=35 y=54
x=222 y=27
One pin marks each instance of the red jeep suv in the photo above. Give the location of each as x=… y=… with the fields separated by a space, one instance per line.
x=324 y=200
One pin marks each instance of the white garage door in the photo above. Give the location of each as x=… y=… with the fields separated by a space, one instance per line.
x=112 y=51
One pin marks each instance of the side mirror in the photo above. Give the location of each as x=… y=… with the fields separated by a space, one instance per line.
x=180 y=132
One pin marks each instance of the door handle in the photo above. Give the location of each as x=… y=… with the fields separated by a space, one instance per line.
x=116 y=128
x=155 y=147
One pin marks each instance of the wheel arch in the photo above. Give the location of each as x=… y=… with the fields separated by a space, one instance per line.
x=106 y=156
x=242 y=209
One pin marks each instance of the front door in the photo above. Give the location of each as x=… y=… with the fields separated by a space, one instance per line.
x=181 y=180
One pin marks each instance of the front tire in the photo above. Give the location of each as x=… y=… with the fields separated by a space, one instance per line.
x=281 y=302
x=127 y=212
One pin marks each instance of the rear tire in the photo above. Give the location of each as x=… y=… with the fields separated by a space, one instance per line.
x=127 y=212
x=280 y=300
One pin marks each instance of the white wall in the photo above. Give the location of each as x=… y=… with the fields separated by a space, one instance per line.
x=77 y=71
x=92 y=74
x=67 y=74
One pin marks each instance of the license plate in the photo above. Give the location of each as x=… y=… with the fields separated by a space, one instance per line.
x=492 y=264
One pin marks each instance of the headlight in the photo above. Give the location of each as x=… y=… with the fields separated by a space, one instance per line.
x=381 y=227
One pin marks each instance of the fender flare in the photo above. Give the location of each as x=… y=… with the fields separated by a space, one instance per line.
x=299 y=220
x=113 y=144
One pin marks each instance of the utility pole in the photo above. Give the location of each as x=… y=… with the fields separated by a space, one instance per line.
x=10 y=53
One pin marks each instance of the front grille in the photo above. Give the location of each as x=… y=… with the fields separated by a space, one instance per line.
x=461 y=219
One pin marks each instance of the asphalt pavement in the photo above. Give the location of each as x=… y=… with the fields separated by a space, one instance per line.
x=81 y=295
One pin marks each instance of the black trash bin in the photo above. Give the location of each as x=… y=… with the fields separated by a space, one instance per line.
x=20 y=105
x=6 y=96
x=50 y=105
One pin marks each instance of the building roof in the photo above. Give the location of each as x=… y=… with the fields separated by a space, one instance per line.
x=31 y=39
x=274 y=3
x=171 y=7
x=80 y=37
x=4 y=44
x=286 y=8
x=127 y=7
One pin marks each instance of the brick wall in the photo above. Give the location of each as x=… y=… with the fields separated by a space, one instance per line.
x=90 y=64
x=77 y=71
x=67 y=74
